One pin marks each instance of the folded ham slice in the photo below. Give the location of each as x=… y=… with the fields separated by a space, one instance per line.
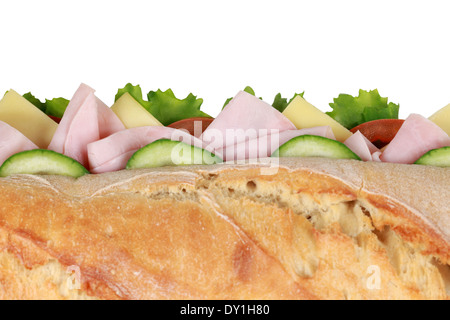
x=12 y=142
x=113 y=152
x=82 y=130
x=264 y=145
x=108 y=122
x=85 y=120
x=362 y=146
x=376 y=156
x=246 y=117
x=416 y=136
x=322 y=131
x=58 y=140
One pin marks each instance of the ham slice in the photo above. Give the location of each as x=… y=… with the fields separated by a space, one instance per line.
x=376 y=156
x=58 y=140
x=323 y=131
x=416 y=136
x=113 y=152
x=264 y=145
x=246 y=117
x=12 y=142
x=108 y=122
x=361 y=146
x=82 y=130
x=85 y=120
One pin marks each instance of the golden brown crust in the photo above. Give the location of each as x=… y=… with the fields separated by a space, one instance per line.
x=315 y=229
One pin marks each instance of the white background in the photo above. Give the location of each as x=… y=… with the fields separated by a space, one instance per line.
x=215 y=48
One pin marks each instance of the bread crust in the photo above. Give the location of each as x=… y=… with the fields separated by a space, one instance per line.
x=311 y=230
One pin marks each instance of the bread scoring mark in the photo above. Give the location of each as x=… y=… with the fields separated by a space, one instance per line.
x=35 y=178
x=408 y=228
x=149 y=175
x=204 y=199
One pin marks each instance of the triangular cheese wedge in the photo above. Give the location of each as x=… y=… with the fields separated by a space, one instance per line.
x=305 y=115
x=132 y=114
x=22 y=115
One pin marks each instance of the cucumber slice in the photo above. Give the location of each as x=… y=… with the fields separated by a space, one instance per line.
x=437 y=157
x=42 y=161
x=314 y=146
x=165 y=152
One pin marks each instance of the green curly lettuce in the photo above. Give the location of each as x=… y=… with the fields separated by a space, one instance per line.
x=54 y=107
x=135 y=92
x=281 y=103
x=367 y=106
x=35 y=101
x=168 y=109
x=164 y=106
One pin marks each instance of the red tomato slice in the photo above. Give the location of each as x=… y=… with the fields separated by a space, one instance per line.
x=379 y=132
x=192 y=125
x=56 y=119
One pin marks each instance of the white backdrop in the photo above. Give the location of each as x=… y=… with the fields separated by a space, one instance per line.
x=215 y=48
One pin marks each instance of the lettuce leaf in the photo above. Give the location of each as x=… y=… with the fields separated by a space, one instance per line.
x=281 y=103
x=164 y=106
x=367 y=106
x=35 y=101
x=135 y=92
x=55 y=107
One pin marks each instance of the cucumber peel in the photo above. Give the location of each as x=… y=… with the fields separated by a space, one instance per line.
x=437 y=157
x=165 y=152
x=42 y=161
x=314 y=146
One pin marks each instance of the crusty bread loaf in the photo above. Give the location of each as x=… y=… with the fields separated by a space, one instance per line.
x=311 y=229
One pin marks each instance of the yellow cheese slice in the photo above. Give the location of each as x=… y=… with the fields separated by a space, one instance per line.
x=132 y=114
x=442 y=118
x=304 y=115
x=21 y=114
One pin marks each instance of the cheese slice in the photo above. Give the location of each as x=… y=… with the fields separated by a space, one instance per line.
x=442 y=118
x=304 y=115
x=132 y=114
x=22 y=115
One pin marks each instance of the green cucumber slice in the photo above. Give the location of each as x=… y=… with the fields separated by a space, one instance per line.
x=437 y=157
x=42 y=161
x=315 y=146
x=165 y=152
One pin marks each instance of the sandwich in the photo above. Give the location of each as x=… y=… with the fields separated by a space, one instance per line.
x=154 y=199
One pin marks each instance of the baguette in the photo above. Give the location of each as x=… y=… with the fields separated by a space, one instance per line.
x=314 y=229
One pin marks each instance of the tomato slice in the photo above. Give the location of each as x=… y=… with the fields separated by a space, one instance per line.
x=56 y=119
x=193 y=125
x=379 y=132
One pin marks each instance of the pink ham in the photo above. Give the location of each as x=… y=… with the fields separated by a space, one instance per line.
x=361 y=146
x=263 y=146
x=12 y=142
x=113 y=152
x=416 y=136
x=83 y=130
x=108 y=122
x=245 y=117
x=59 y=138
x=323 y=131
x=376 y=156
x=85 y=120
